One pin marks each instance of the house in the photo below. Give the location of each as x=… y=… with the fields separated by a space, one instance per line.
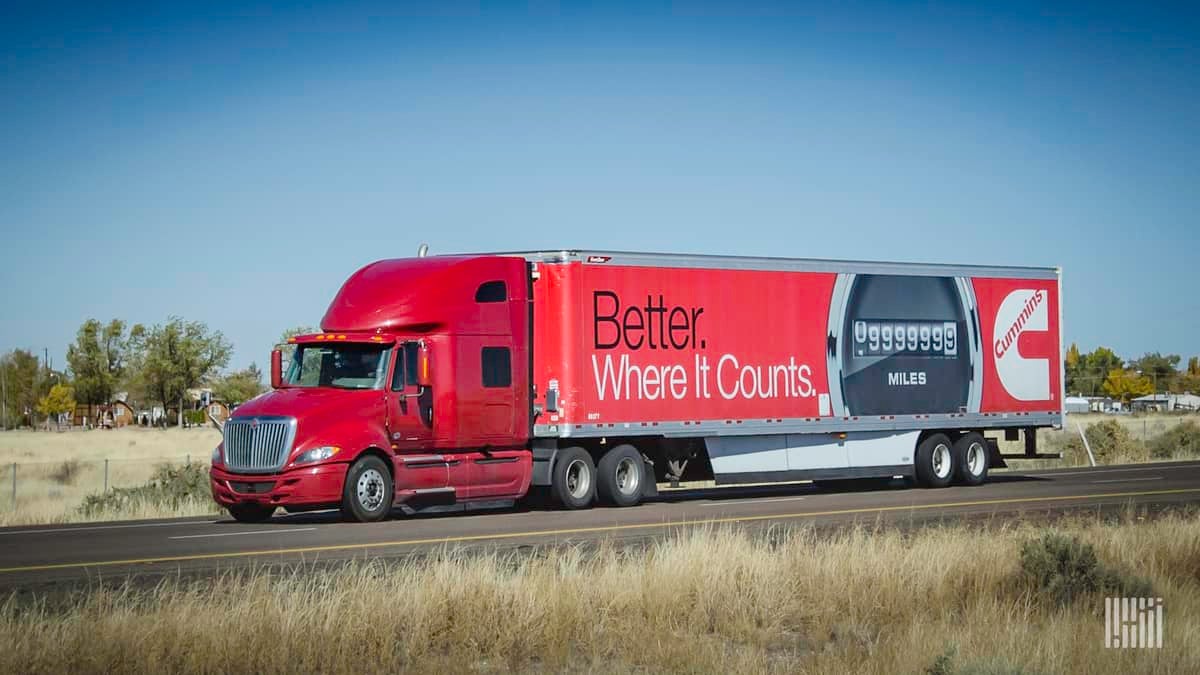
x=1185 y=401
x=1166 y=402
x=218 y=411
x=1103 y=404
x=86 y=415
x=113 y=416
x=121 y=414
x=1077 y=404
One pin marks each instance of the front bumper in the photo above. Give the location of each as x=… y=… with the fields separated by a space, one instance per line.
x=319 y=485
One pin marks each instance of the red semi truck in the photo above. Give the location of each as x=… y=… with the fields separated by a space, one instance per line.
x=449 y=381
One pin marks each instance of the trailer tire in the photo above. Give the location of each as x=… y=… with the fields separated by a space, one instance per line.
x=251 y=513
x=934 y=463
x=573 y=480
x=368 y=492
x=620 y=476
x=971 y=458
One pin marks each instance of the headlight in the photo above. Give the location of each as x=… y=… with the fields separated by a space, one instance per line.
x=216 y=456
x=318 y=454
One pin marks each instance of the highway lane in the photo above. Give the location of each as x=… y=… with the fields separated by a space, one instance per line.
x=47 y=554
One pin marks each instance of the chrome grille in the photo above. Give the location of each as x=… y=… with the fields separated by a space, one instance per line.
x=258 y=444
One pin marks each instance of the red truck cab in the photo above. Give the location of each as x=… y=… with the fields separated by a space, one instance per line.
x=415 y=392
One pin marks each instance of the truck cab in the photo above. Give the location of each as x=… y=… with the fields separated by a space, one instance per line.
x=415 y=392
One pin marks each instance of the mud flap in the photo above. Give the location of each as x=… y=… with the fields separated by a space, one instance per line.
x=995 y=459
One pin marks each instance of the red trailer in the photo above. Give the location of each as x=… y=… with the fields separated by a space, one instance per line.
x=448 y=381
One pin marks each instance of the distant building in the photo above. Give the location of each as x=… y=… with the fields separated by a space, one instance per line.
x=1103 y=404
x=1186 y=401
x=113 y=416
x=217 y=410
x=1077 y=404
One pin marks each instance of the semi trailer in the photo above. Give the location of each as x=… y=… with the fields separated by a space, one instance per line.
x=576 y=377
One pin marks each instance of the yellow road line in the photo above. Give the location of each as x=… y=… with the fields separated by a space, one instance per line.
x=585 y=530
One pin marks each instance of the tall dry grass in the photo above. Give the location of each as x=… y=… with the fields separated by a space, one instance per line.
x=1138 y=447
x=57 y=471
x=703 y=601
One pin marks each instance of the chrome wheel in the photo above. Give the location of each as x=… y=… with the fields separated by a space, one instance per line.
x=976 y=458
x=579 y=478
x=942 y=463
x=628 y=475
x=370 y=489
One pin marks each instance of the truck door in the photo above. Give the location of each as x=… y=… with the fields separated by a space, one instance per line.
x=410 y=429
x=498 y=472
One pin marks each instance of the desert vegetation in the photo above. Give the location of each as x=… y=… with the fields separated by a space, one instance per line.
x=945 y=599
x=1116 y=439
x=61 y=477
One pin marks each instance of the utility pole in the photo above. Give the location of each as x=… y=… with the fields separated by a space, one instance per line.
x=4 y=390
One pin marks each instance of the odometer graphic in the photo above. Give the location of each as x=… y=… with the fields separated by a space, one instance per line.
x=903 y=345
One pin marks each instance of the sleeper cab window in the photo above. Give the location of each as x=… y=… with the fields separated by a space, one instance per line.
x=497 y=367
x=491 y=291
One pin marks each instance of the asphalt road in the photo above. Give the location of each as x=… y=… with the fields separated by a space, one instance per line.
x=51 y=554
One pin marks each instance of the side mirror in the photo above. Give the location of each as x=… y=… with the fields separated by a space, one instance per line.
x=276 y=369
x=424 y=376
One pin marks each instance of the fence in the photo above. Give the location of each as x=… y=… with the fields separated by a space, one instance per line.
x=29 y=490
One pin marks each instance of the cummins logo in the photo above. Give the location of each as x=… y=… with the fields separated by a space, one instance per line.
x=1026 y=379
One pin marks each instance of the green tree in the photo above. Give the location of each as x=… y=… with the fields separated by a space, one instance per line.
x=60 y=399
x=289 y=350
x=1126 y=384
x=1160 y=368
x=26 y=381
x=239 y=386
x=97 y=360
x=1093 y=370
x=1073 y=363
x=1193 y=367
x=177 y=356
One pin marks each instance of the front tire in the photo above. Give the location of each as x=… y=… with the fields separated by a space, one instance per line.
x=573 y=482
x=251 y=513
x=620 y=475
x=935 y=462
x=971 y=459
x=368 y=492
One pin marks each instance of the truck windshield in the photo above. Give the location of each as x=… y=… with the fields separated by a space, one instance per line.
x=344 y=366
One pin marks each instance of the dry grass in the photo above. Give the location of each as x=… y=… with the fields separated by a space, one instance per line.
x=1142 y=429
x=56 y=471
x=703 y=601
x=99 y=444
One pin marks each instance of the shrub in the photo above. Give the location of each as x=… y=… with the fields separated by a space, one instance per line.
x=66 y=473
x=1110 y=443
x=171 y=487
x=1062 y=568
x=945 y=664
x=1183 y=438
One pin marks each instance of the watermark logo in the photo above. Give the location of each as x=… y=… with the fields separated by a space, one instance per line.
x=1133 y=623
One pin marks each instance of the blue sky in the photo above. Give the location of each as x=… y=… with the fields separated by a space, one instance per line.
x=234 y=164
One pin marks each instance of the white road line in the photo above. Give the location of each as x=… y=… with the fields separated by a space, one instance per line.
x=110 y=527
x=726 y=502
x=1092 y=472
x=1129 y=480
x=237 y=534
